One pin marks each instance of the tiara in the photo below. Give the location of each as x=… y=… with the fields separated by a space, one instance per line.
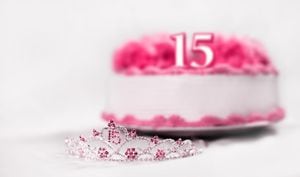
x=116 y=143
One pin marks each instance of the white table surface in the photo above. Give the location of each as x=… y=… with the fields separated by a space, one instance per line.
x=39 y=151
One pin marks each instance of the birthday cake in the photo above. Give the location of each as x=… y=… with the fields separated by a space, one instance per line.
x=147 y=89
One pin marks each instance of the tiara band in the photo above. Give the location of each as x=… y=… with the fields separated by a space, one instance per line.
x=116 y=143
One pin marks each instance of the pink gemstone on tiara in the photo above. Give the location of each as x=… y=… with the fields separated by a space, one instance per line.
x=82 y=138
x=160 y=154
x=102 y=152
x=116 y=143
x=113 y=136
x=179 y=141
x=132 y=133
x=95 y=132
x=131 y=153
x=111 y=124
x=154 y=139
x=81 y=152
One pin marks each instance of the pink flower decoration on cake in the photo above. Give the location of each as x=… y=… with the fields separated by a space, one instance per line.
x=165 y=55
x=240 y=53
x=156 y=55
x=231 y=52
x=132 y=54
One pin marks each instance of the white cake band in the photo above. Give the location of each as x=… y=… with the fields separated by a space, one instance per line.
x=191 y=96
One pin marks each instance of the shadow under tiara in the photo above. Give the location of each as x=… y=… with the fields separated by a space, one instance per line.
x=250 y=133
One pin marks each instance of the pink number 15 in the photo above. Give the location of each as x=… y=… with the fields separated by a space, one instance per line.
x=197 y=46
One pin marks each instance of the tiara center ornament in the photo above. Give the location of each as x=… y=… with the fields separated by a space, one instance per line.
x=116 y=143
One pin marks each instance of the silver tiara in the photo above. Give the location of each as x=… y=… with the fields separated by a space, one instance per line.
x=116 y=143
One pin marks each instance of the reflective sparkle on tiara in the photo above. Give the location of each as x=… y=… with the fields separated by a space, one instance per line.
x=116 y=143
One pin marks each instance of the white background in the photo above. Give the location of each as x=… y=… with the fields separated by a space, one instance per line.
x=55 y=57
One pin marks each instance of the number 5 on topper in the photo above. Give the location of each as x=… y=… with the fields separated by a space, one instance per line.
x=197 y=46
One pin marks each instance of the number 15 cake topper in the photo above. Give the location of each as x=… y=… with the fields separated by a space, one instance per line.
x=198 y=46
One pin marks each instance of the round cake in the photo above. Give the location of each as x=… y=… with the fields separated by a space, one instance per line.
x=147 y=89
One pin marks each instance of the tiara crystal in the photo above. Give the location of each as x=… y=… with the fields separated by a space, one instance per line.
x=116 y=143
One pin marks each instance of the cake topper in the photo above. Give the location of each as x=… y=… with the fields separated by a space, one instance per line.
x=116 y=143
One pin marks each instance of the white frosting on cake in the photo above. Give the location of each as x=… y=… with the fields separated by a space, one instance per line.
x=191 y=96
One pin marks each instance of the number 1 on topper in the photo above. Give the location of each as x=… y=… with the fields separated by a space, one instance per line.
x=197 y=46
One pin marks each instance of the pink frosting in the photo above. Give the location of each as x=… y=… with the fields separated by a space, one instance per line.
x=205 y=121
x=156 y=55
